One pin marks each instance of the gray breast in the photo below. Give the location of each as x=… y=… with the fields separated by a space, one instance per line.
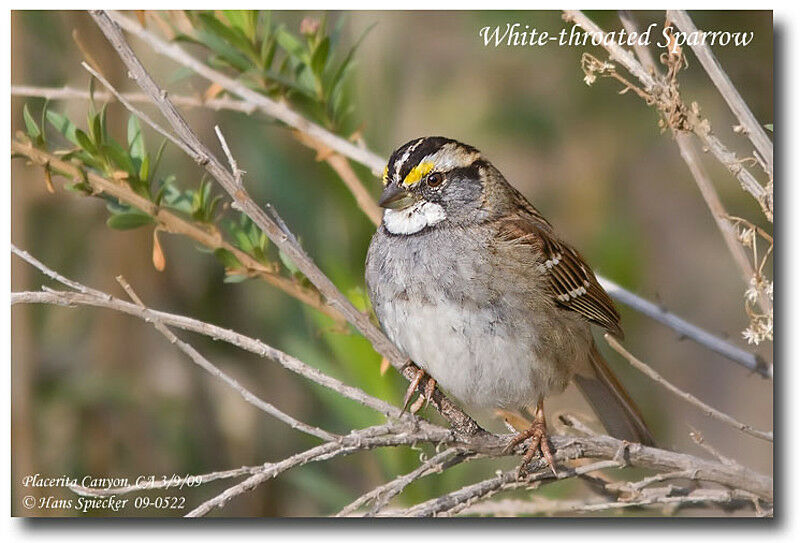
x=468 y=316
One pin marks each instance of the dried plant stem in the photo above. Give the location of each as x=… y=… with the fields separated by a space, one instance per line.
x=362 y=440
x=755 y=132
x=658 y=90
x=705 y=408
x=691 y=157
x=204 y=363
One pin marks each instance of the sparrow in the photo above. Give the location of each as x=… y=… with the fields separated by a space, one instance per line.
x=472 y=283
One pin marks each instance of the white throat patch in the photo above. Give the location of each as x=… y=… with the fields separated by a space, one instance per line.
x=414 y=218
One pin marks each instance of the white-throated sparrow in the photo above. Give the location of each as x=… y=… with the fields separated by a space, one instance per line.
x=471 y=282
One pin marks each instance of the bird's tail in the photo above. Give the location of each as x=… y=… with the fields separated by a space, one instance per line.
x=614 y=407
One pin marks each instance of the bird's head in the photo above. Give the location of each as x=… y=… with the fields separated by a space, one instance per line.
x=432 y=180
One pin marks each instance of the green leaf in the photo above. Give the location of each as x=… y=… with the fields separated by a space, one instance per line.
x=85 y=143
x=268 y=47
x=231 y=35
x=144 y=168
x=135 y=139
x=291 y=266
x=159 y=154
x=340 y=72
x=129 y=221
x=94 y=128
x=292 y=45
x=227 y=258
x=235 y=278
x=243 y=20
x=769 y=127
x=119 y=156
x=103 y=126
x=63 y=125
x=30 y=124
x=320 y=56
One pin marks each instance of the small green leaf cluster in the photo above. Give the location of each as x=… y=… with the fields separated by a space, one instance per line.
x=94 y=149
x=270 y=59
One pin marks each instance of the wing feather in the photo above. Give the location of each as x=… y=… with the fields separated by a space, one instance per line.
x=572 y=282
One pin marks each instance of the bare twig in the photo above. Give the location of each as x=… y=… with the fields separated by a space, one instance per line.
x=701 y=497
x=204 y=363
x=692 y=159
x=237 y=173
x=641 y=50
x=190 y=481
x=376 y=436
x=747 y=359
x=728 y=91
x=454 y=502
x=707 y=409
x=384 y=493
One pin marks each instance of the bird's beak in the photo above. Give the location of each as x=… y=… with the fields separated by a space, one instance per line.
x=396 y=197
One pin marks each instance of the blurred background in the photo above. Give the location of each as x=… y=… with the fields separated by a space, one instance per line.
x=99 y=393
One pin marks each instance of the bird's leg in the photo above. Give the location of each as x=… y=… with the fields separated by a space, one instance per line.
x=539 y=442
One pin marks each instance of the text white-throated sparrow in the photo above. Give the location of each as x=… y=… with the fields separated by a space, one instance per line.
x=470 y=281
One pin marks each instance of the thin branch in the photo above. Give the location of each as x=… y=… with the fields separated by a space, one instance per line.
x=69 y=93
x=724 y=348
x=705 y=408
x=723 y=83
x=69 y=299
x=138 y=113
x=190 y=481
x=718 y=211
x=702 y=497
x=385 y=492
x=692 y=159
x=204 y=363
x=642 y=52
x=452 y=503
x=362 y=440
x=237 y=173
x=460 y=421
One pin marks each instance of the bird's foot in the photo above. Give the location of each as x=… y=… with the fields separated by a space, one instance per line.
x=423 y=399
x=539 y=442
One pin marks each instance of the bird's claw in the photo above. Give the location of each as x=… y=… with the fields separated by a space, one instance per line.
x=423 y=399
x=539 y=443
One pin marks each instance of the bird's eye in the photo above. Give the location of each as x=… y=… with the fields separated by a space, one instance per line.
x=435 y=179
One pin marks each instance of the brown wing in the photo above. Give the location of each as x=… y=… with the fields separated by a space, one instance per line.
x=573 y=284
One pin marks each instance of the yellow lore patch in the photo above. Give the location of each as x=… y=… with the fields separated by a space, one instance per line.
x=415 y=176
x=385 y=176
